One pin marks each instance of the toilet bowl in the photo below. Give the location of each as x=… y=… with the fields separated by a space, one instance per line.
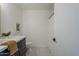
x=28 y=45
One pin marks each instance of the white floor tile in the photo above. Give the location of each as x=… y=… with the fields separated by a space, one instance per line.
x=38 y=51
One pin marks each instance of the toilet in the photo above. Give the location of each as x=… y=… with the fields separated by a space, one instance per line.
x=29 y=49
x=28 y=44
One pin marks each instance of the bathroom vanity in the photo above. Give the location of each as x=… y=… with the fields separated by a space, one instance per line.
x=21 y=47
x=21 y=44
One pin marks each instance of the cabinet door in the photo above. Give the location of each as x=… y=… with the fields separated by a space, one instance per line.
x=22 y=47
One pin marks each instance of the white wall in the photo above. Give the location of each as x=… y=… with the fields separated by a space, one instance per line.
x=67 y=29
x=35 y=27
x=10 y=15
x=0 y=18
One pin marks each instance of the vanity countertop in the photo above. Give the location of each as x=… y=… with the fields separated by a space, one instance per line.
x=16 y=38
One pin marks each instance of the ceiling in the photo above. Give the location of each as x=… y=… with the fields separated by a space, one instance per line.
x=36 y=6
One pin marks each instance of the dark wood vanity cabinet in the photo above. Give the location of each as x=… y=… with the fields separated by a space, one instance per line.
x=21 y=47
